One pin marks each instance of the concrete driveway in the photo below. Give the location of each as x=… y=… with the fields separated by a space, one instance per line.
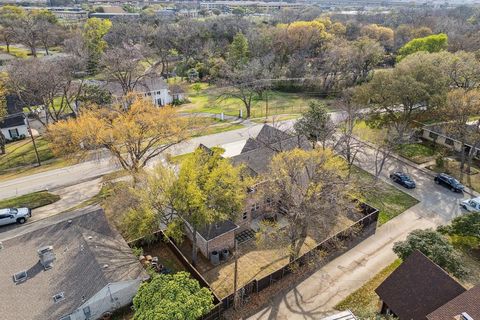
x=316 y=296
x=69 y=197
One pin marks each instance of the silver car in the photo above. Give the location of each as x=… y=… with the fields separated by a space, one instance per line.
x=14 y=215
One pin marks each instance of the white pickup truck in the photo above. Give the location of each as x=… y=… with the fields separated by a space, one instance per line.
x=472 y=205
x=14 y=215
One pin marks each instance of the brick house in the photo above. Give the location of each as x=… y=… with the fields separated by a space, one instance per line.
x=255 y=157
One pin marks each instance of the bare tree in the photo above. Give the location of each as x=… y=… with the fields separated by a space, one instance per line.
x=347 y=144
x=125 y=66
x=49 y=83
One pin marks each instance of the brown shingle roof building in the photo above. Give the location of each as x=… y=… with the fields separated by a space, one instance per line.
x=417 y=288
x=468 y=303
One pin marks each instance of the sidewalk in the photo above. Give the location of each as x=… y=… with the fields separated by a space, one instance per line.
x=317 y=295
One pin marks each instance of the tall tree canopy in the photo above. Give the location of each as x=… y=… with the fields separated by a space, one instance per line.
x=167 y=297
x=432 y=43
x=435 y=246
x=209 y=189
x=133 y=136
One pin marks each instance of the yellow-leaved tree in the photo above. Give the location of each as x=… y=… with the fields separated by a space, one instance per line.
x=133 y=136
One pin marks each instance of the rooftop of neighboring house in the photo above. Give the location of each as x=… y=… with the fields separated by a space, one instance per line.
x=13 y=120
x=259 y=151
x=445 y=129
x=149 y=83
x=89 y=254
x=468 y=303
x=418 y=287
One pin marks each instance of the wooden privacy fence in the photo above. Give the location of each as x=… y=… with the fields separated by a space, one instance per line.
x=349 y=237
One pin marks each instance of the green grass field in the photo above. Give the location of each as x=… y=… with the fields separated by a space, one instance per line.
x=389 y=200
x=22 y=153
x=418 y=152
x=31 y=200
x=208 y=100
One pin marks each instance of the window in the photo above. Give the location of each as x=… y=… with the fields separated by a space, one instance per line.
x=433 y=135
x=255 y=207
x=13 y=133
x=245 y=215
x=87 y=312
x=59 y=297
x=449 y=142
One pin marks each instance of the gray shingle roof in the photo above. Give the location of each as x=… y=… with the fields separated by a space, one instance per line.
x=89 y=255
x=13 y=121
x=259 y=151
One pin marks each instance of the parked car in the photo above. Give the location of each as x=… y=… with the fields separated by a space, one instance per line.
x=403 y=179
x=449 y=182
x=472 y=205
x=14 y=215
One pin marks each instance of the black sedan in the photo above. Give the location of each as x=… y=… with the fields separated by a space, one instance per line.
x=449 y=182
x=403 y=179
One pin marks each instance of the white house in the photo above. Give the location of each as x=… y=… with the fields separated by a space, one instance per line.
x=14 y=126
x=439 y=134
x=151 y=86
x=73 y=267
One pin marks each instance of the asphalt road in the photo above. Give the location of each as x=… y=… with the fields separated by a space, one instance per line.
x=316 y=296
x=81 y=172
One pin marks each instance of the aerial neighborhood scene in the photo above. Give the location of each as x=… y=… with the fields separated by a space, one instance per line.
x=231 y=159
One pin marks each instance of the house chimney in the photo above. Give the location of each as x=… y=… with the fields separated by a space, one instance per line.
x=47 y=256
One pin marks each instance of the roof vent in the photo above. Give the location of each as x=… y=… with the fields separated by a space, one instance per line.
x=105 y=266
x=59 y=297
x=47 y=256
x=20 y=277
x=90 y=238
x=466 y=316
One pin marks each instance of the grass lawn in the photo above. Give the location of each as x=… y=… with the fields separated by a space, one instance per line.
x=389 y=200
x=279 y=103
x=31 y=200
x=452 y=167
x=21 y=153
x=364 y=302
x=364 y=132
x=418 y=152
x=16 y=51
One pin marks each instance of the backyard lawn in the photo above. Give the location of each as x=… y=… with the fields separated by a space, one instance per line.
x=31 y=200
x=279 y=103
x=389 y=200
x=364 y=302
x=259 y=260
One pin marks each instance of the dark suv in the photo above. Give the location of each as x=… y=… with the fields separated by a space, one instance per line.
x=449 y=182
x=402 y=179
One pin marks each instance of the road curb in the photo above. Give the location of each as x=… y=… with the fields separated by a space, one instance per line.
x=412 y=164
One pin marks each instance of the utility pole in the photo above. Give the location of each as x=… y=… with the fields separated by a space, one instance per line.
x=266 y=106
x=235 y=277
x=33 y=141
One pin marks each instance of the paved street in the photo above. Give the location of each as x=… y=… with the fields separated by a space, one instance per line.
x=319 y=293
x=329 y=285
x=88 y=170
